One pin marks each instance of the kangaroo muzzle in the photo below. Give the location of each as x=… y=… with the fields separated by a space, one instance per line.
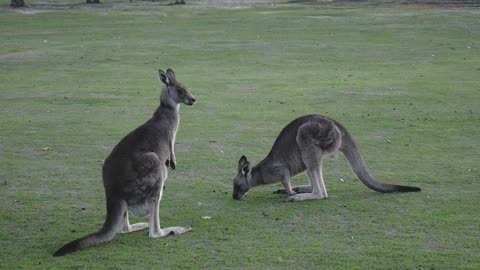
x=190 y=100
x=238 y=192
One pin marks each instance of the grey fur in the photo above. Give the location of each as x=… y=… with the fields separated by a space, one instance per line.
x=301 y=146
x=135 y=171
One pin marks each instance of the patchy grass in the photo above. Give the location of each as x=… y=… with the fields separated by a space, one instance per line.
x=404 y=80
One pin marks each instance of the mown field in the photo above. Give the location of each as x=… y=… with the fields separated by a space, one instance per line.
x=403 y=79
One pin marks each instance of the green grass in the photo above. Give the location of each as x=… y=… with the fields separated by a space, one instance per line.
x=403 y=80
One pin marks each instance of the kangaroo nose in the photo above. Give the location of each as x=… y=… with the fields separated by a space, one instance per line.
x=193 y=100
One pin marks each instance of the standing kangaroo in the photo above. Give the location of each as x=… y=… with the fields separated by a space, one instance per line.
x=135 y=171
x=301 y=146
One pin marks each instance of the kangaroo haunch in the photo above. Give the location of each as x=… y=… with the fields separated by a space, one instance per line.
x=135 y=171
x=301 y=146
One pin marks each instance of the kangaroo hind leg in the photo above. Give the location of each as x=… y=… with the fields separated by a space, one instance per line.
x=318 y=189
x=155 y=231
x=154 y=212
x=126 y=227
x=311 y=139
x=145 y=172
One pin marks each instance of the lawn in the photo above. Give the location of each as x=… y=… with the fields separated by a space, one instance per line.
x=404 y=80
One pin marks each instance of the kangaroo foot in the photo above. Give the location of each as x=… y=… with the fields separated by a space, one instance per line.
x=170 y=231
x=303 y=197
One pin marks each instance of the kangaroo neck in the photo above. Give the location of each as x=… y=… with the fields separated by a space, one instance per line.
x=261 y=174
x=167 y=111
x=256 y=178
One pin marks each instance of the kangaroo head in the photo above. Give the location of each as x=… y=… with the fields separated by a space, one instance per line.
x=174 y=91
x=241 y=182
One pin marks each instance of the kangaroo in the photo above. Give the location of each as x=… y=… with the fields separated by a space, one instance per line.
x=134 y=173
x=302 y=145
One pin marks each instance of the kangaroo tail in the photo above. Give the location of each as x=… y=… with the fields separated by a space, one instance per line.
x=105 y=234
x=351 y=152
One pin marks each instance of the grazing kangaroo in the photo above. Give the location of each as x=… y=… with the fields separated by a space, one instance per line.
x=302 y=145
x=135 y=171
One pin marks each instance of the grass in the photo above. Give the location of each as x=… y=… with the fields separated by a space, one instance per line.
x=403 y=80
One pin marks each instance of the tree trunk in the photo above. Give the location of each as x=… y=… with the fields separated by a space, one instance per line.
x=93 y=1
x=17 y=3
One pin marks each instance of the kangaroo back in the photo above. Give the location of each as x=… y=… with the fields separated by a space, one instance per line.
x=350 y=150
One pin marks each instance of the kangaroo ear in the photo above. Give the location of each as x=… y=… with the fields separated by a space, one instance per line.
x=162 y=77
x=242 y=161
x=246 y=168
x=244 y=165
x=171 y=75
